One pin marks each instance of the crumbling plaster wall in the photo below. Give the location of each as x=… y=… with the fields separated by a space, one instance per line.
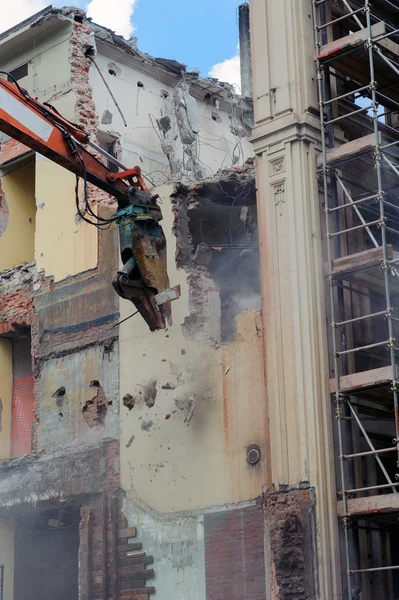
x=143 y=142
x=188 y=450
x=61 y=415
x=177 y=544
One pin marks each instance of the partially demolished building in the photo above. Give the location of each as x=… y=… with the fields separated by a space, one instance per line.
x=240 y=453
x=132 y=463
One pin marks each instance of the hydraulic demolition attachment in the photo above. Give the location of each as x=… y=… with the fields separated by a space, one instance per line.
x=143 y=278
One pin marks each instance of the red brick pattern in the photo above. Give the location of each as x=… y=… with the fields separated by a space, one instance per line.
x=234 y=554
x=16 y=309
x=11 y=149
x=22 y=416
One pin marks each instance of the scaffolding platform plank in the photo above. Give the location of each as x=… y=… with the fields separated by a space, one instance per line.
x=363 y=269
x=355 y=65
x=385 y=503
x=349 y=42
x=349 y=150
x=365 y=380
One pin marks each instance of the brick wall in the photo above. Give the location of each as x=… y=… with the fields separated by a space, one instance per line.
x=22 y=416
x=234 y=554
x=112 y=561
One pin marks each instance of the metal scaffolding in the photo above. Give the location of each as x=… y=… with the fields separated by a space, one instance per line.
x=357 y=61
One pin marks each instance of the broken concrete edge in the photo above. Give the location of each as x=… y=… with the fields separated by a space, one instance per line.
x=171 y=67
x=78 y=469
x=194 y=259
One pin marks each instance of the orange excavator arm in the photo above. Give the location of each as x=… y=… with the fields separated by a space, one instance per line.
x=143 y=278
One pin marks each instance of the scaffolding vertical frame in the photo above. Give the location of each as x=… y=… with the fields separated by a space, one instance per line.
x=327 y=57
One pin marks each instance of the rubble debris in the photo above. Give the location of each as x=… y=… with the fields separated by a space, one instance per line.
x=146 y=425
x=128 y=401
x=130 y=441
x=150 y=393
x=168 y=386
x=164 y=124
x=106 y=118
x=187 y=405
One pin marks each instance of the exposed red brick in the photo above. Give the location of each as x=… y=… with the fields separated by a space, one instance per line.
x=11 y=149
x=291 y=524
x=234 y=554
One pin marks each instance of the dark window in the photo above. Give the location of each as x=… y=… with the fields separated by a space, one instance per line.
x=19 y=72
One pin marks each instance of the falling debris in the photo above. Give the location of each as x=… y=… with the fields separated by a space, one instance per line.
x=168 y=386
x=130 y=441
x=146 y=425
x=129 y=401
x=150 y=393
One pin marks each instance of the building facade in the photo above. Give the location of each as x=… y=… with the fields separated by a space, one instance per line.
x=325 y=138
x=132 y=463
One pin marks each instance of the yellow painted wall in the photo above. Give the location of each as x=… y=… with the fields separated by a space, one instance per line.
x=7 y=557
x=17 y=242
x=63 y=247
x=6 y=397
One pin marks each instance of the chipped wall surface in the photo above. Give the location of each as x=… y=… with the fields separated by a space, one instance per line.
x=7 y=557
x=61 y=416
x=193 y=453
x=17 y=241
x=177 y=544
x=5 y=397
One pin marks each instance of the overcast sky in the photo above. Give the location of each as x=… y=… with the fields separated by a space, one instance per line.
x=200 y=33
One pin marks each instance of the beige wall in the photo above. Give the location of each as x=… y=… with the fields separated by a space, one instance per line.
x=175 y=465
x=64 y=246
x=6 y=397
x=286 y=142
x=7 y=557
x=17 y=242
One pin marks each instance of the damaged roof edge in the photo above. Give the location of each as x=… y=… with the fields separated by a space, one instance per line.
x=26 y=22
x=129 y=47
